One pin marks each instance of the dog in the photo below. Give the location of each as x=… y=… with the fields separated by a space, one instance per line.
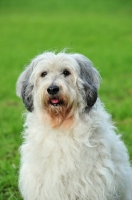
x=71 y=150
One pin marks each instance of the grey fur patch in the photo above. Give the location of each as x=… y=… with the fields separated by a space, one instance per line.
x=90 y=78
x=25 y=88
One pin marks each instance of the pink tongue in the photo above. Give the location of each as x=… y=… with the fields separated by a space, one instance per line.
x=55 y=101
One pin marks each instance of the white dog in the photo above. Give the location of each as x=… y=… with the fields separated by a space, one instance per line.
x=70 y=149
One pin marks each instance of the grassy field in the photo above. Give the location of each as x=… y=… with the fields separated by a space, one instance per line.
x=99 y=29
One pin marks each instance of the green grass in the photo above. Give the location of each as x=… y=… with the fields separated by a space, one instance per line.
x=99 y=29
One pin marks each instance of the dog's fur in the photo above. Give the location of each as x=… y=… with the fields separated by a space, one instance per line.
x=70 y=149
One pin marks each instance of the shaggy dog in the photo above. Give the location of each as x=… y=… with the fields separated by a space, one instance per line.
x=70 y=149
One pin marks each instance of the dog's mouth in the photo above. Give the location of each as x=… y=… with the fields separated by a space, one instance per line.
x=55 y=101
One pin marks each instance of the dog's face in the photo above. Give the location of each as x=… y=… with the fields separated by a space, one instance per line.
x=59 y=86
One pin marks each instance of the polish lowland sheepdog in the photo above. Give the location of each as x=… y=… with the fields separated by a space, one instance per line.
x=70 y=149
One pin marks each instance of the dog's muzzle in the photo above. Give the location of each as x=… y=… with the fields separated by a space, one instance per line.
x=54 y=99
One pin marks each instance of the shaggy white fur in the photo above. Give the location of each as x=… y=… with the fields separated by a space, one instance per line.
x=70 y=149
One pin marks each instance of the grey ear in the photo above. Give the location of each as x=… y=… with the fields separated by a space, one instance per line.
x=25 y=88
x=90 y=78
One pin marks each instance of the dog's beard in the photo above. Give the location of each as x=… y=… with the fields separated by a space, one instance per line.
x=59 y=110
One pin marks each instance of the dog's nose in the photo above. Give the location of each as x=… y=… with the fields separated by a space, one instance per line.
x=53 y=89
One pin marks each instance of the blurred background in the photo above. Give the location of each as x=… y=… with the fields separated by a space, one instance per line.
x=99 y=29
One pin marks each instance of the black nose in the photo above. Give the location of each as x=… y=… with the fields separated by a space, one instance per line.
x=53 y=89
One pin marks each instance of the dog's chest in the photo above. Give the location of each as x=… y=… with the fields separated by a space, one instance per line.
x=67 y=164
x=59 y=157
x=60 y=154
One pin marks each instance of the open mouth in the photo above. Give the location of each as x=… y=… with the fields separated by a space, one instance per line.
x=55 y=102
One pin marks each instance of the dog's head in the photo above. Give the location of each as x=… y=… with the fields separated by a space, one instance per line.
x=59 y=86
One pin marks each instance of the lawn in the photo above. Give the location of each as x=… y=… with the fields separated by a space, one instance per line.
x=101 y=30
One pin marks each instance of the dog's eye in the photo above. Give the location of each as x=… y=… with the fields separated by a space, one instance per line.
x=43 y=74
x=66 y=72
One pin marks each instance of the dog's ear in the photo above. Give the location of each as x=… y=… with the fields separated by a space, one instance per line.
x=25 y=87
x=90 y=78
